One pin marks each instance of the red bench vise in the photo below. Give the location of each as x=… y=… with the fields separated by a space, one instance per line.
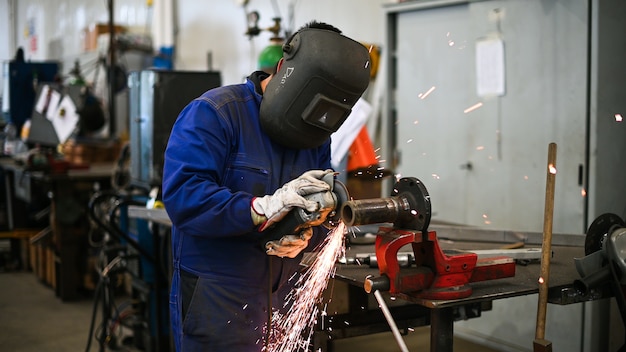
x=436 y=274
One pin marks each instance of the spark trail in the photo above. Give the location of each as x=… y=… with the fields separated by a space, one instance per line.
x=292 y=331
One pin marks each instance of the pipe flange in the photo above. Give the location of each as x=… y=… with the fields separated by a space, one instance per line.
x=413 y=192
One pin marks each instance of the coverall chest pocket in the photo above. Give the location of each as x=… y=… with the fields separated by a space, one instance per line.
x=247 y=176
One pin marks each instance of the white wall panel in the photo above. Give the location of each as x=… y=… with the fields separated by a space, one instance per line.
x=506 y=139
x=203 y=26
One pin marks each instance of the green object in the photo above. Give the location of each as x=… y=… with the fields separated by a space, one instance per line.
x=269 y=57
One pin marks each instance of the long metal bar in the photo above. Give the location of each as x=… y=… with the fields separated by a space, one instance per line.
x=112 y=65
x=469 y=233
x=390 y=321
x=421 y=5
x=451 y=232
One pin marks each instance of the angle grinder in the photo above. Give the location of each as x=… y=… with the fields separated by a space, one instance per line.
x=326 y=214
x=604 y=263
x=605 y=253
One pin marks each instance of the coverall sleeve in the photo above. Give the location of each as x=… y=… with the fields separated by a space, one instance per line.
x=320 y=232
x=195 y=162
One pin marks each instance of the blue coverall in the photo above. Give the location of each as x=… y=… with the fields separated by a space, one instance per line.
x=217 y=159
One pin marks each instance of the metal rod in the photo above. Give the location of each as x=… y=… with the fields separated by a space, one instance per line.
x=540 y=344
x=390 y=321
x=112 y=65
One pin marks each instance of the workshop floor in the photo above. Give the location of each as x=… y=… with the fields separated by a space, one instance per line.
x=33 y=319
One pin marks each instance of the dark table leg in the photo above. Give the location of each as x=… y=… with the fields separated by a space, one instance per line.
x=441 y=329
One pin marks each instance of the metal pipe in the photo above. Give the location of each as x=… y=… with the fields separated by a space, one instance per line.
x=374 y=211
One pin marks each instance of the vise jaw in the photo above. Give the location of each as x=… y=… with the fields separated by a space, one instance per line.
x=436 y=275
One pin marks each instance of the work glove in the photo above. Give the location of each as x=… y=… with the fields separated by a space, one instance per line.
x=272 y=208
x=289 y=245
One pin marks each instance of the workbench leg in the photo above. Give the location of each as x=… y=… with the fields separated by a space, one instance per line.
x=441 y=329
x=67 y=272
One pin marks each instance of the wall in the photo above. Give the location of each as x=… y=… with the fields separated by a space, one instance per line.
x=209 y=34
x=221 y=32
x=54 y=29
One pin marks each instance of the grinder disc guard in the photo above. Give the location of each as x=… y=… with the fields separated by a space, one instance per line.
x=598 y=231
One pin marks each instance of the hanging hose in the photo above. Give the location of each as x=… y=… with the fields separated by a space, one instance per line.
x=112 y=228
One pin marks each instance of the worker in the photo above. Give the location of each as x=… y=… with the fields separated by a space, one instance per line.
x=238 y=159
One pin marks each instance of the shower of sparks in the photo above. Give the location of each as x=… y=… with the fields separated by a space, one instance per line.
x=618 y=117
x=480 y=147
x=472 y=108
x=583 y=192
x=540 y=280
x=435 y=176
x=353 y=232
x=370 y=49
x=293 y=330
x=552 y=169
x=424 y=95
x=409 y=140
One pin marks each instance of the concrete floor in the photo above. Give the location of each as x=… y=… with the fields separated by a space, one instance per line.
x=33 y=319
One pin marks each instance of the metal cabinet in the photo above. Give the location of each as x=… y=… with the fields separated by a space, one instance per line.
x=156 y=98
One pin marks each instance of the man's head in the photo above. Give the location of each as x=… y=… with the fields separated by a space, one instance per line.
x=321 y=76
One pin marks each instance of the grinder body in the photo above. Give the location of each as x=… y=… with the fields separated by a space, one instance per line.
x=298 y=218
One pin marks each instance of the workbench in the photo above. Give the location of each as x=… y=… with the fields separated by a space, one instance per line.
x=363 y=316
x=353 y=312
x=61 y=249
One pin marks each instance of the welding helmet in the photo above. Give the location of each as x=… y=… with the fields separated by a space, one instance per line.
x=321 y=78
